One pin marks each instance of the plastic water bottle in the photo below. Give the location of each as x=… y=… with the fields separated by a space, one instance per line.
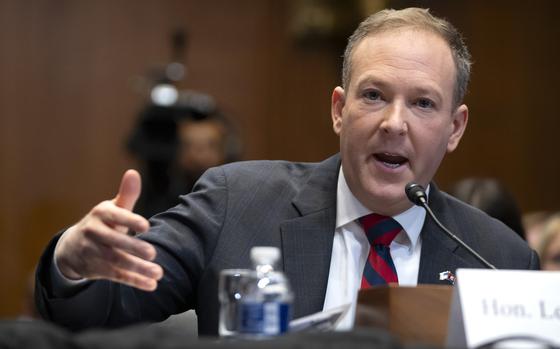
x=266 y=308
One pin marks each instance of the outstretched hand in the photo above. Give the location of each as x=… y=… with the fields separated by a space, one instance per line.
x=98 y=247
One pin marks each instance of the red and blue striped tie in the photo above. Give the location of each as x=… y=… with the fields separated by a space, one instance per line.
x=380 y=231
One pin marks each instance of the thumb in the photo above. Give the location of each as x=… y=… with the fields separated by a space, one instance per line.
x=129 y=191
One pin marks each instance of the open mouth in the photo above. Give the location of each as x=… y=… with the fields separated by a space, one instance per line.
x=391 y=160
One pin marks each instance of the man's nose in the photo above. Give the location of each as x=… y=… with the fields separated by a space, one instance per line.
x=394 y=119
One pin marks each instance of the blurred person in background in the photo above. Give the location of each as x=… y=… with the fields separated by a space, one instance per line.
x=201 y=145
x=549 y=245
x=175 y=145
x=533 y=223
x=492 y=197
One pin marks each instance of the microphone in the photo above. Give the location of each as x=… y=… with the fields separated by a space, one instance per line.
x=417 y=195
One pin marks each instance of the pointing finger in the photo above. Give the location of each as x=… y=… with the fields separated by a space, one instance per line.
x=120 y=217
x=108 y=237
x=127 y=262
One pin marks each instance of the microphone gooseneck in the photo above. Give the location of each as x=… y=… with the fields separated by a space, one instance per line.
x=417 y=195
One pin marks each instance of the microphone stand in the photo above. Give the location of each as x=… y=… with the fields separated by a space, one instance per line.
x=417 y=195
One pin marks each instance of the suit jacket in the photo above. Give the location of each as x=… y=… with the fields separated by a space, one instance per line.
x=268 y=203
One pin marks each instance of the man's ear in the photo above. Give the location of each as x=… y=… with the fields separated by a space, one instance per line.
x=460 y=119
x=338 y=100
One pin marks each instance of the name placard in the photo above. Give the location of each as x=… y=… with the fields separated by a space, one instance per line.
x=499 y=305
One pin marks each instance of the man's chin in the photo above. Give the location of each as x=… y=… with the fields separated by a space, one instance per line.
x=388 y=201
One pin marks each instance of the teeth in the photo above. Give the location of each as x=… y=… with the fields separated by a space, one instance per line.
x=391 y=165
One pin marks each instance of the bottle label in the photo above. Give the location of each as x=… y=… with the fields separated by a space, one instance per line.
x=269 y=318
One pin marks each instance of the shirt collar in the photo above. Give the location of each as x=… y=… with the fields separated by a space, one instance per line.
x=349 y=209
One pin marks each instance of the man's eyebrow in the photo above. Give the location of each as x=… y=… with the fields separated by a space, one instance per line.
x=426 y=90
x=372 y=80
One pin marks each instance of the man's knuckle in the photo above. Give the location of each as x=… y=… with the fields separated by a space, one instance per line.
x=112 y=257
x=97 y=209
x=102 y=208
x=120 y=275
x=86 y=250
x=88 y=228
x=90 y=238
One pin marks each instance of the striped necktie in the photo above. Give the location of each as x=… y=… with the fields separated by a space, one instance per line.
x=380 y=231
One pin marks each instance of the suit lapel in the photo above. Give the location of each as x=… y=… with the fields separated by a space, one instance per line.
x=439 y=252
x=307 y=240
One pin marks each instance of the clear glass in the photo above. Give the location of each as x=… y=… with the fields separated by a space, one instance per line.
x=234 y=286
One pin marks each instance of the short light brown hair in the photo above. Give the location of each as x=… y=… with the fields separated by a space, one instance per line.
x=418 y=18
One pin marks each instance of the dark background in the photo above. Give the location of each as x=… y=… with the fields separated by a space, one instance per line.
x=68 y=71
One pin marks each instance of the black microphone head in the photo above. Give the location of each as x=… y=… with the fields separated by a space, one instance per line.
x=415 y=193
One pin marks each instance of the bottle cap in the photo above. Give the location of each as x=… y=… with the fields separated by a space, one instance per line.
x=265 y=255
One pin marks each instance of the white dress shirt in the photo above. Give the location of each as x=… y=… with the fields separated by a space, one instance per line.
x=351 y=248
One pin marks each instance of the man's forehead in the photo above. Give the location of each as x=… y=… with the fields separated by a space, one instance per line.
x=412 y=37
x=423 y=53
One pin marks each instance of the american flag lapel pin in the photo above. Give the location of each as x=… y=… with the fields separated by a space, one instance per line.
x=447 y=276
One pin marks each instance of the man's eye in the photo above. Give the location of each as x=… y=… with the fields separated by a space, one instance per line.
x=425 y=103
x=372 y=95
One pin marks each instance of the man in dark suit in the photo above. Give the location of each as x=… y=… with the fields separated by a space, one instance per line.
x=398 y=113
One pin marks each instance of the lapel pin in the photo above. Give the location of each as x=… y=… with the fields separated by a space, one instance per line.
x=447 y=276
